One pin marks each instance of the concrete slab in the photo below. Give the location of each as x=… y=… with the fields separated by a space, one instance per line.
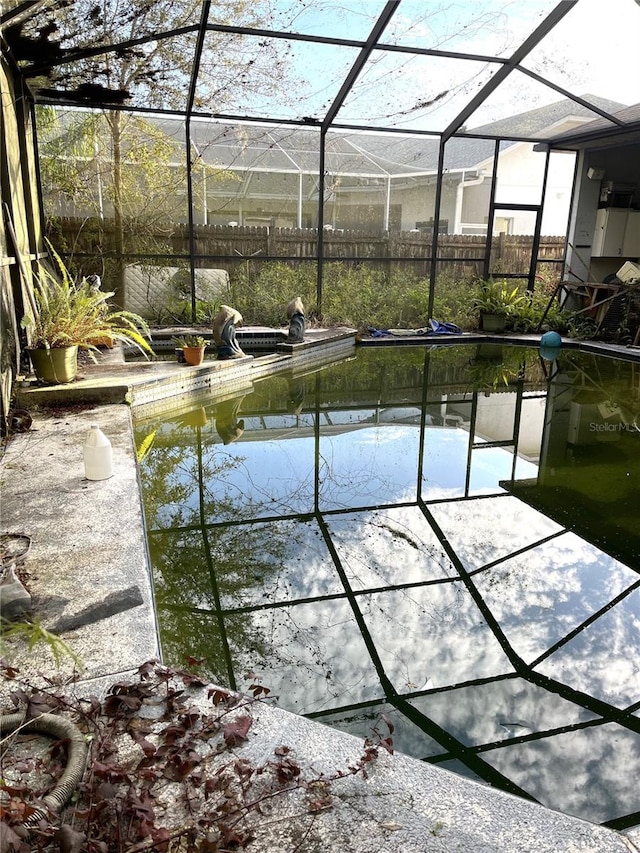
x=406 y=805
x=87 y=568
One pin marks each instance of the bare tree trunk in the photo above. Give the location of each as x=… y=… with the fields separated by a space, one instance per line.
x=115 y=121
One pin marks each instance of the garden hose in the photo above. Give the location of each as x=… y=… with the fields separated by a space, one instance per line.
x=59 y=727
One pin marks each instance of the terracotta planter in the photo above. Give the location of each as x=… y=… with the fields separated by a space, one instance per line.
x=193 y=355
x=104 y=341
x=55 y=366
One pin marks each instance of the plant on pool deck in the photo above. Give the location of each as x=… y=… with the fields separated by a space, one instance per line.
x=498 y=299
x=527 y=315
x=190 y=341
x=69 y=313
x=170 y=777
x=192 y=346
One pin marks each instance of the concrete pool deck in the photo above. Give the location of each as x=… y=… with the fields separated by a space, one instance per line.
x=88 y=572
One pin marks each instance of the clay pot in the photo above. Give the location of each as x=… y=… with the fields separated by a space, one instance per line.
x=193 y=355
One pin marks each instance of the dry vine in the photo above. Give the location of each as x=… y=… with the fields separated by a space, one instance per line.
x=178 y=784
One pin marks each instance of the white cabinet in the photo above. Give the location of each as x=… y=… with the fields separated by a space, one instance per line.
x=608 y=236
x=617 y=233
x=631 y=242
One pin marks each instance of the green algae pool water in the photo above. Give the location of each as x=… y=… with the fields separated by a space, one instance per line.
x=446 y=536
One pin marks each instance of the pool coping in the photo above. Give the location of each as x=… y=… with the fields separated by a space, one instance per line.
x=623 y=351
x=83 y=552
x=113 y=380
x=145 y=384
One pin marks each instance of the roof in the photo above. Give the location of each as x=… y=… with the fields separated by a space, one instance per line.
x=286 y=148
x=535 y=122
x=602 y=133
x=278 y=148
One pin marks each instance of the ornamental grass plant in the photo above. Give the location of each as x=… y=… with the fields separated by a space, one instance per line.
x=497 y=297
x=66 y=312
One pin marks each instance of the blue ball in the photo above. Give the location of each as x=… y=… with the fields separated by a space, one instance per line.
x=549 y=353
x=550 y=339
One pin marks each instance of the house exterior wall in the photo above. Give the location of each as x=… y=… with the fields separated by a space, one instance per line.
x=475 y=207
x=271 y=197
x=417 y=199
x=622 y=165
x=520 y=181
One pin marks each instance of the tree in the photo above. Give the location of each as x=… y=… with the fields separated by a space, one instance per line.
x=78 y=164
x=118 y=166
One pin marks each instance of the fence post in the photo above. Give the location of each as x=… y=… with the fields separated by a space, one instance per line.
x=502 y=242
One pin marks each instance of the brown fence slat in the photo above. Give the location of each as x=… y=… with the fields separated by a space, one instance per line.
x=223 y=243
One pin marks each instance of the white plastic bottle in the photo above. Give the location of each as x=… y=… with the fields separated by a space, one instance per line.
x=98 y=455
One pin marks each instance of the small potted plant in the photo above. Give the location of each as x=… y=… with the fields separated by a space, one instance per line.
x=66 y=315
x=496 y=300
x=192 y=346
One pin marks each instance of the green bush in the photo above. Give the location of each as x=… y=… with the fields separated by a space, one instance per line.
x=499 y=297
x=453 y=301
x=581 y=328
x=362 y=295
x=527 y=315
x=353 y=295
x=178 y=310
x=262 y=291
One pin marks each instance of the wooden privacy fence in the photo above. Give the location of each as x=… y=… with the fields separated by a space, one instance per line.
x=223 y=246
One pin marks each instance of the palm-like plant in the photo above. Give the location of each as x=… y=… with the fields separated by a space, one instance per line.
x=497 y=297
x=67 y=312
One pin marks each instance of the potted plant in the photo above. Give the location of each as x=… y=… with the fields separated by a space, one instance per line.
x=192 y=346
x=496 y=300
x=66 y=315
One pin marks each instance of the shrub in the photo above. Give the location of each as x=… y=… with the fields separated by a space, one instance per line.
x=527 y=315
x=353 y=295
x=453 y=301
x=497 y=297
x=262 y=291
x=361 y=295
x=69 y=312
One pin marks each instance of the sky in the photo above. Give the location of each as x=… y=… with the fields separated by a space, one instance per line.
x=590 y=51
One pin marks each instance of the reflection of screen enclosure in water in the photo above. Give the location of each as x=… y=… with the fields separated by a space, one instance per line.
x=447 y=536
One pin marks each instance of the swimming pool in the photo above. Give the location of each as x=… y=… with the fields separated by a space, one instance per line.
x=446 y=536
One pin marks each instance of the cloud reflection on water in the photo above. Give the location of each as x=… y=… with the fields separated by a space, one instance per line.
x=303 y=556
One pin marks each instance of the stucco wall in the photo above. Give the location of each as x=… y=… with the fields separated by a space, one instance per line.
x=520 y=180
